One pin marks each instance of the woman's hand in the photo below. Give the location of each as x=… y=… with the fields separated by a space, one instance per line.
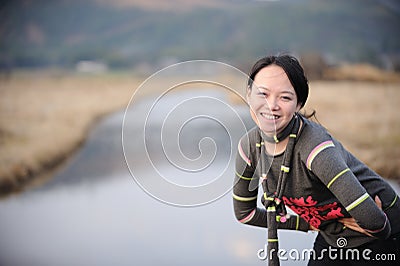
x=352 y=224
x=312 y=228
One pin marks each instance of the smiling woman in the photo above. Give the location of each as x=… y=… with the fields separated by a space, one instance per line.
x=301 y=166
x=272 y=99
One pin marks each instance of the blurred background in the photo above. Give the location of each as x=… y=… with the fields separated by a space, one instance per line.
x=69 y=68
x=148 y=35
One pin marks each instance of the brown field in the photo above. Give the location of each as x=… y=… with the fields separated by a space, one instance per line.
x=45 y=116
x=364 y=117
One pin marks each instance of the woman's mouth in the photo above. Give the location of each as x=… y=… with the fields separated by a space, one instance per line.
x=269 y=116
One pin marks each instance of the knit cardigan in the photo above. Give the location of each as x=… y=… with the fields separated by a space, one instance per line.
x=326 y=183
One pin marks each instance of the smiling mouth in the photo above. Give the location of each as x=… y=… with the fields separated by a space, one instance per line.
x=269 y=117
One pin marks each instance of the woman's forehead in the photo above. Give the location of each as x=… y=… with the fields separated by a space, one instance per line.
x=271 y=71
x=271 y=77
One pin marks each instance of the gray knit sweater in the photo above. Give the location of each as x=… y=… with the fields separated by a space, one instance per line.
x=325 y=183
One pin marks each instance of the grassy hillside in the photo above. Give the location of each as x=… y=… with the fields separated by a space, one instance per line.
x=130 y=33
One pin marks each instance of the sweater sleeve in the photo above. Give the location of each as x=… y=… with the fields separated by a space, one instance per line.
x=245 y=193
x=327 y=162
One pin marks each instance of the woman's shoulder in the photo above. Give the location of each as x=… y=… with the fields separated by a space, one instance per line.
x=250 y=138
x=313 y=129
x=250 y=141
x=311 y=135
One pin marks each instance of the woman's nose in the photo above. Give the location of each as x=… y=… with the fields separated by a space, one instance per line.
x=273 y=104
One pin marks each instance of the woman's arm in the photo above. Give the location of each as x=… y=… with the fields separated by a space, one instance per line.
x=326 y=161
x=245 y=197
x=352 y=224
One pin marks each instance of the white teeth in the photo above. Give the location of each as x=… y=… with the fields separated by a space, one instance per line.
x=270 y=117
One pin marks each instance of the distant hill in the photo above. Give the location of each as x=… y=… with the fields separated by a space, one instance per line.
x=125 y=33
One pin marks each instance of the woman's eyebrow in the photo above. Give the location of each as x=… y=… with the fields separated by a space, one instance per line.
x=288 y=91
x=282 y=92
x=262 y=87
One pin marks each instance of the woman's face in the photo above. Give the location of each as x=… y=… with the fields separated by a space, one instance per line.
x=272 y=100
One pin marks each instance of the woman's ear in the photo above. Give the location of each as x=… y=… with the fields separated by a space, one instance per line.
x=298 y=107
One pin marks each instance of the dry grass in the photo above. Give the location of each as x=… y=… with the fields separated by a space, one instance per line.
x=361 y=72
x=364 y=117
x=45 y=117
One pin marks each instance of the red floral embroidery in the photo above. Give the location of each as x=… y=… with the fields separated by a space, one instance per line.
x=307 y=209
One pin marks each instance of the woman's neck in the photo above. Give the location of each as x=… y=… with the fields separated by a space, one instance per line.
x=276 y=148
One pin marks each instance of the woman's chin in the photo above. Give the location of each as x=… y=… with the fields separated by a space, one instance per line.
x=268 y=131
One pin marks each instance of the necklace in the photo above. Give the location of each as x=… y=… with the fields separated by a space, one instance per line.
x=276 y=210
x=281 y=135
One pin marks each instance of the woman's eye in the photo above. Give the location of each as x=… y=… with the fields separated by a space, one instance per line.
x=286 y=98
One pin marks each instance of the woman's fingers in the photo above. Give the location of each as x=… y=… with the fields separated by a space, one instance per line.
x=378 y=202
x=352 y=224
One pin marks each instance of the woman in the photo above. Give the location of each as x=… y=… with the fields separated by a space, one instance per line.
x=301 y=166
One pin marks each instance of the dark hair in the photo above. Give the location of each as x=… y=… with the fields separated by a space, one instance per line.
x=293 y=70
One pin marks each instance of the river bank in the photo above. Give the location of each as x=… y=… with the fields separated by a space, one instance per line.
x=46 y=116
